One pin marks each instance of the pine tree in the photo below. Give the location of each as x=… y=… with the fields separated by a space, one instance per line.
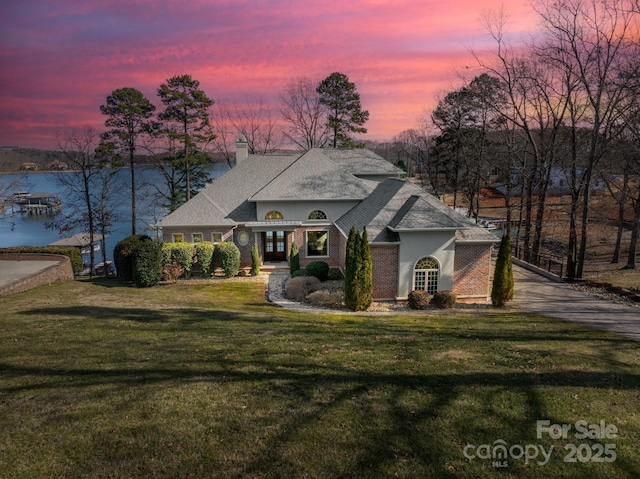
x=255 y=260
x=502 y=290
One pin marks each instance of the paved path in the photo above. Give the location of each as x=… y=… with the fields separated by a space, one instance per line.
x=536 y=294
x=13 y=270
x=533 y=293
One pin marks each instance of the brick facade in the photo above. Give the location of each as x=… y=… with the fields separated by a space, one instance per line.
x=472 y=269
x=335 y=246
x=385 y=271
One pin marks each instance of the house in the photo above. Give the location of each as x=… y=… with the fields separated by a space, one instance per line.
x=315 y=197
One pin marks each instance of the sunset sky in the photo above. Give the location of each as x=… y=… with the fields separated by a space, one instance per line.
x=60 y=59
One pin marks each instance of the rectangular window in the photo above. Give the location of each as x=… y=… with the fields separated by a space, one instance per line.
x=196 y=237
x=178 y=237
x=216 y=238
x=317 y=243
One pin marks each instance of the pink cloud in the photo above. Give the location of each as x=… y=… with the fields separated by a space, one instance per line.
x=59 y=61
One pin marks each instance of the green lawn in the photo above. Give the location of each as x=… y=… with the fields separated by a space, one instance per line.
x=101 y=380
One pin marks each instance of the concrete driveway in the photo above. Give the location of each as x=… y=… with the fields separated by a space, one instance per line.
x=11 y=270
x=536 y=294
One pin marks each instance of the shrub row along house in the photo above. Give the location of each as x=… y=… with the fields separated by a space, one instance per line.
x=315 y=197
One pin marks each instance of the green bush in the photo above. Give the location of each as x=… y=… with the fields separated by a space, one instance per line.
x=255 y=260
x=204 y=257
x=228 y=258
x=319 y=269
x=300 y=272
x=419 y=299
x=444 y=299
x=180 y=253
x=147 y=264
x=294 y=258
x=123 y=254
x=71 y=252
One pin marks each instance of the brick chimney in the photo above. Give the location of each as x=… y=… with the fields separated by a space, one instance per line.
x=242 y=149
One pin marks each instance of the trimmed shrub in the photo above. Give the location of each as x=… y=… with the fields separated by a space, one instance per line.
x=444 y=299
x=419 y=299
x=147 y=264
x=298 y=288
x=294 y=258
x=255 y=260
x=228 y=258
x=204 y=257
x=319 y=269
x=300 y=272
x=123 y=255
x=181 y=253
x=71 y=252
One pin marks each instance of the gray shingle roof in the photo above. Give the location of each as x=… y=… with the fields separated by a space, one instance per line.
x=361 y=161
x=313 y=176
x=224 y=202
x=397 y=205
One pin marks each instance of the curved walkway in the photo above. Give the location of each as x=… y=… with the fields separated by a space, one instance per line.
x=536 y=294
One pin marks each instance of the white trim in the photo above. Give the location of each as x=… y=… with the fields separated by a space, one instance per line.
x=173 y=237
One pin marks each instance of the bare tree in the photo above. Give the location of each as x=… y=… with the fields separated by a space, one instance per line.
x=88 y=186
x=304 y=114
x=595 y=43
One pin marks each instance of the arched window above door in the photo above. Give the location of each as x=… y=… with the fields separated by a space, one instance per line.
x=273 y=215
x=317 y=215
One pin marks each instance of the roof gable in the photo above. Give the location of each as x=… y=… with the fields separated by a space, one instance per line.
x=397 y=205
x=224 y=201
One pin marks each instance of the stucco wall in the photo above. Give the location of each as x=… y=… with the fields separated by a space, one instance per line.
x=299 y=210
x=416 y=245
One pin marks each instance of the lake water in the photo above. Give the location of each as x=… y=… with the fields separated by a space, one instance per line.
x=20 y=229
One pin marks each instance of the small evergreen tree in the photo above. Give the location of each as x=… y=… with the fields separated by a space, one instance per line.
x=350 y=269
x=255 y=260
x=502 y=290
x=365 y=290
x=294 y=258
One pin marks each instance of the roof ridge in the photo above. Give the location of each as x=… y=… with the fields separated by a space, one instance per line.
x=279 y=174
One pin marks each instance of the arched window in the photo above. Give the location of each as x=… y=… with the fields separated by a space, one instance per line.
x=317 y=215
x=273 y=215
x=425 y=275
